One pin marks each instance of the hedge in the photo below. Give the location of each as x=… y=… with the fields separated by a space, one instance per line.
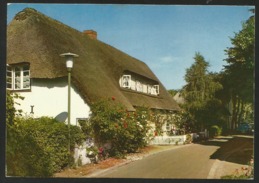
x=39 y=147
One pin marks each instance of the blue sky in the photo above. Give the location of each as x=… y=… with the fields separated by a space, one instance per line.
x=165 y=37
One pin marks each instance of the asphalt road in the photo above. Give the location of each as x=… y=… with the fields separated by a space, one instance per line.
x=189 y=161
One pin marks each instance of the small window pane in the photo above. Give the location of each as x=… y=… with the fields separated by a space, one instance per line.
x=9 y=74
x=17 y=86
x=26 y=73
x=17 y=80
x=17 y=69
x=26 y=85
x=17 y=74
x=9 y=85
x=26 y=67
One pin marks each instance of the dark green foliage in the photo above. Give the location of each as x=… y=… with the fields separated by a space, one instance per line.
x=10 y=109
x=173 y=92
x=239 y=71
x=126 y=131
x=199 y=94
x=39 y=147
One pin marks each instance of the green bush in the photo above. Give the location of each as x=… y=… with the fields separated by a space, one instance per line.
x=125 y=131
x=39 y=147
x=188 y=139
x=215 y=131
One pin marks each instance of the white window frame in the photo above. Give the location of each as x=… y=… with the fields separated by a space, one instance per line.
x=126 y=81
x=149 y=89
x=9 y=77
x=139 y=86
x=156 y=89
x=18 y=76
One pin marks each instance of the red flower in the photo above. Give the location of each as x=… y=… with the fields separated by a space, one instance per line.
x=113 y=98
x=125 y=125
x=100 y=150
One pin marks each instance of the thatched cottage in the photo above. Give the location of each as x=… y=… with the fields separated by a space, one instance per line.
x=36 y=70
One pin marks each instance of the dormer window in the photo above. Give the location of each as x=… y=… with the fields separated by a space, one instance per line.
x=18 y=77
x=126 y=81
x=139 y=84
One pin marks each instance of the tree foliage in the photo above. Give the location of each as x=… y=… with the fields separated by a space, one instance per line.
x=199 y=93
x=240 y=68
x=239 y=71
x=173 y=92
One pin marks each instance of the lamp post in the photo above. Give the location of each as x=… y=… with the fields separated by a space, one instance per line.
x=69 y=64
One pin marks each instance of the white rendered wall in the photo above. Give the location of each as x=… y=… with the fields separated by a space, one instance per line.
x=50 y=97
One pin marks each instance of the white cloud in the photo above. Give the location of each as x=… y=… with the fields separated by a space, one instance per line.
x=169 y=59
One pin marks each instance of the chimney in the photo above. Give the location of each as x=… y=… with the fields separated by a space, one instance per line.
x=91 y=33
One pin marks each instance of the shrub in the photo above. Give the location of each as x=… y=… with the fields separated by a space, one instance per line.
x=215 y=131
x=10 y=109
x=39 y=147
x=125 y=131
x=188 y=139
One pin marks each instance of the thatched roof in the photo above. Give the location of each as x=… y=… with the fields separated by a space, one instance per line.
x=35 y=38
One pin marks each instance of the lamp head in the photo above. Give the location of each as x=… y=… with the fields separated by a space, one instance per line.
x=69 y=59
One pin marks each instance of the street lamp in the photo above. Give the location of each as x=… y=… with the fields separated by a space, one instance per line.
x=69 y=64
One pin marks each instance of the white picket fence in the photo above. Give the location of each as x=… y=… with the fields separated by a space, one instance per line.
x=168 y=140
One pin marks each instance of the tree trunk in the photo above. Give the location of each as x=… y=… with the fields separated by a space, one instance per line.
x=241 y=112
x=234 y=112
x=237 y=112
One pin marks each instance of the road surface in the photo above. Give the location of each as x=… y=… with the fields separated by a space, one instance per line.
x=189 y=161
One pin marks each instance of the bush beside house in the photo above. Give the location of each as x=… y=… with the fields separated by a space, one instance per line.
x=37 y=147
x=124 y=131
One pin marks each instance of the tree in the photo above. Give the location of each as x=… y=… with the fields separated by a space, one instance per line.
x=195 y=78
x=199 y=92
x=173 y=92
x=239 y=73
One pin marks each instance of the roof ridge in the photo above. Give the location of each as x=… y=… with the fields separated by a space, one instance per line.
x=35 y=14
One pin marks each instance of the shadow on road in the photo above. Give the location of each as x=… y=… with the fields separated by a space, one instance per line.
x=238 y=149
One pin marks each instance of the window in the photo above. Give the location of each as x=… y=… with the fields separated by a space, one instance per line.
x=149 y=89
x=139 y=86
x=18 y=77
x=9 y=76
x=156 y=89
x=125 y=81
